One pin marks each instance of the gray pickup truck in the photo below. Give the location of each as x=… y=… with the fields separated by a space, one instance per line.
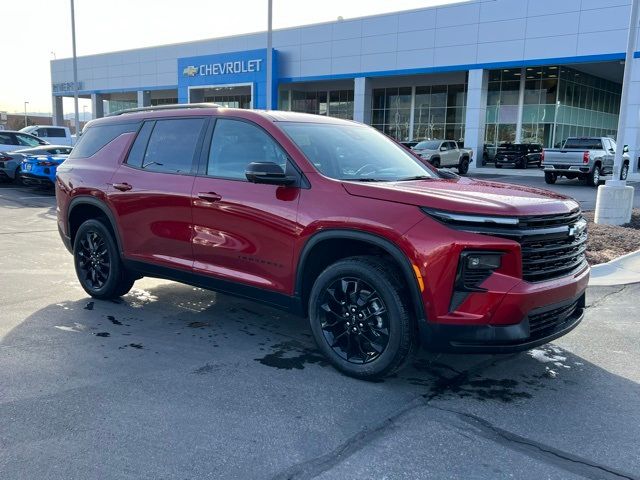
x=584 y=158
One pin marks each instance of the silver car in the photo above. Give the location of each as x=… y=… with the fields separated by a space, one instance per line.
x=10 y=161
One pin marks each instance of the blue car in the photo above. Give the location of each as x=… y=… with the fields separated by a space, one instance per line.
x=40 y=169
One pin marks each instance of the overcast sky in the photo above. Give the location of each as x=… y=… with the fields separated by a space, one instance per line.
x=36 y=31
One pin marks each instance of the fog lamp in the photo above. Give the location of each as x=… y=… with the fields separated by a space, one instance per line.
x=483 y=261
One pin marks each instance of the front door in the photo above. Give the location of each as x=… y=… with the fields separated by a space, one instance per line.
x=151 y=192
x=244 y=232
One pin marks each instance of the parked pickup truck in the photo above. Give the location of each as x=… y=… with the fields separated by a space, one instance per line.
x=584 y=158
x=445 y=153
x=51 y=133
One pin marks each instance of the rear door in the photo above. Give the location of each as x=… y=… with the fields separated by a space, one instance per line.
x=151 y=191
x=451 y=155
x=243 y=232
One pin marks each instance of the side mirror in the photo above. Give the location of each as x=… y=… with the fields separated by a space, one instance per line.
x=443 y=149
x=267 y=172
x=625 y=149
x=611 y=150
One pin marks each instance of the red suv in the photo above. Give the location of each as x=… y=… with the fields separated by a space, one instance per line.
x=326 y=218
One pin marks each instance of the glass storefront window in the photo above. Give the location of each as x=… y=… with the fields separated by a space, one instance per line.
x=584 y=104
x=333 y=103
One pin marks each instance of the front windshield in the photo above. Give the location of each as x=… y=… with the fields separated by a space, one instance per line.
x=427 y=145
x=354 y=152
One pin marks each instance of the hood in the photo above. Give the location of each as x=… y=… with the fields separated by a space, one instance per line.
x=466 y=195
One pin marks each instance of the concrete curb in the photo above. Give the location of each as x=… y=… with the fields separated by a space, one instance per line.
x=619 y=271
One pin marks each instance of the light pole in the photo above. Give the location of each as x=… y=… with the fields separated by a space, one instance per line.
x=269 y=54
x=75 y=68
x=26 y=124
x=614 y=203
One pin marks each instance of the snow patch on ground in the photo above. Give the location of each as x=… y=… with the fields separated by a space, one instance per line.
x=550 y=354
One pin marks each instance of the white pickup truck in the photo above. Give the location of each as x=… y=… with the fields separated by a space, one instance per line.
x=584 y=158
x=51 y=133
x=445 y=153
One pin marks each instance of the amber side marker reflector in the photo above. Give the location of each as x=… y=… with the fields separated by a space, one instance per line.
x=419 y=277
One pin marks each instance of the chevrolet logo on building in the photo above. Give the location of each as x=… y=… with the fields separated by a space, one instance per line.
x=190 y=71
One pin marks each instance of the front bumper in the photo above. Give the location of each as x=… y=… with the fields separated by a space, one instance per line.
x=540 y=326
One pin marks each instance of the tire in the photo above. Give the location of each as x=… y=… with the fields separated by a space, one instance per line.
x=380 y=344
x=624 y=171
x=435 y=163
x=550 y=177
x=97 y=262
x=17 y=177
x=463 y=166
x=593 y=179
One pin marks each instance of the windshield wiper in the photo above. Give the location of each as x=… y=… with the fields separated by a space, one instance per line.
x=366 y=179
x=416 y=177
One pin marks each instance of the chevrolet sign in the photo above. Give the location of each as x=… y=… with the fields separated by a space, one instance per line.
x=226 y=68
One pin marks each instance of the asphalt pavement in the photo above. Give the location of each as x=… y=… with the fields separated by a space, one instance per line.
x=174 y=382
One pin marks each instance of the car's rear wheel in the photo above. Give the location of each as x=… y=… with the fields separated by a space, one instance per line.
x=97 y=262
x=17 y=177
x=463 y=166
x=593 y=179
x=624 y=172
x=360 y=318
x=550 y=177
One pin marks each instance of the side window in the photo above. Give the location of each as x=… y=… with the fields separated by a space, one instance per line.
x=95 y=138
x=7 y=139
x=452 y=145
x=136 y=154
x=40 y=132
x=236 y=144
x=27 y=141
x=444 y=145
x=172 y=145
x=54 y=132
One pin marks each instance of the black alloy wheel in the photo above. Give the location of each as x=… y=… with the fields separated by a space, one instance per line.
x=360 y=318
x=355 y=320
x=97 y=261
x=94 y=264
x=463 y=166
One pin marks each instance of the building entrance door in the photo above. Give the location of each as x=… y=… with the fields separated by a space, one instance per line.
x=231 y=96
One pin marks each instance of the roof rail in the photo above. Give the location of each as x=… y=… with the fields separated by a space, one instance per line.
x=154 y=108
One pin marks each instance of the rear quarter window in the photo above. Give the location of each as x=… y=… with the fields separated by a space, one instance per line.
x=95 y=138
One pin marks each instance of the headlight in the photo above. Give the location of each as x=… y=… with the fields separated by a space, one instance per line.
x=471 y=220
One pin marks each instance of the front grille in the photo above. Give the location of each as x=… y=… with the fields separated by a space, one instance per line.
x=544 y=259
x=551 y=248
x=542 y=324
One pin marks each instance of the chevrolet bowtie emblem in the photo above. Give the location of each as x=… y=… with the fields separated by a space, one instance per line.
x=190 y=71
x=578 y=228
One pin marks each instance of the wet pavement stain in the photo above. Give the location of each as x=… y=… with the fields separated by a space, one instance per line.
x=113 y=320
x=290 y=356
x=89 y=306
x=137 y=346
x=102 y=334
x=208 y=368
x=198 y=325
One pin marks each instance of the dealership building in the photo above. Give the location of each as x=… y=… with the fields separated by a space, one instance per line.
x=482 y=72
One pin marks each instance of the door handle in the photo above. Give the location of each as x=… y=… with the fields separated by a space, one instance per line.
x=123 y=187
x=209 y=196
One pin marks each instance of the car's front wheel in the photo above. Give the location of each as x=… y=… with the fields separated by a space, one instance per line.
x=360 y=318
x=97 y=262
